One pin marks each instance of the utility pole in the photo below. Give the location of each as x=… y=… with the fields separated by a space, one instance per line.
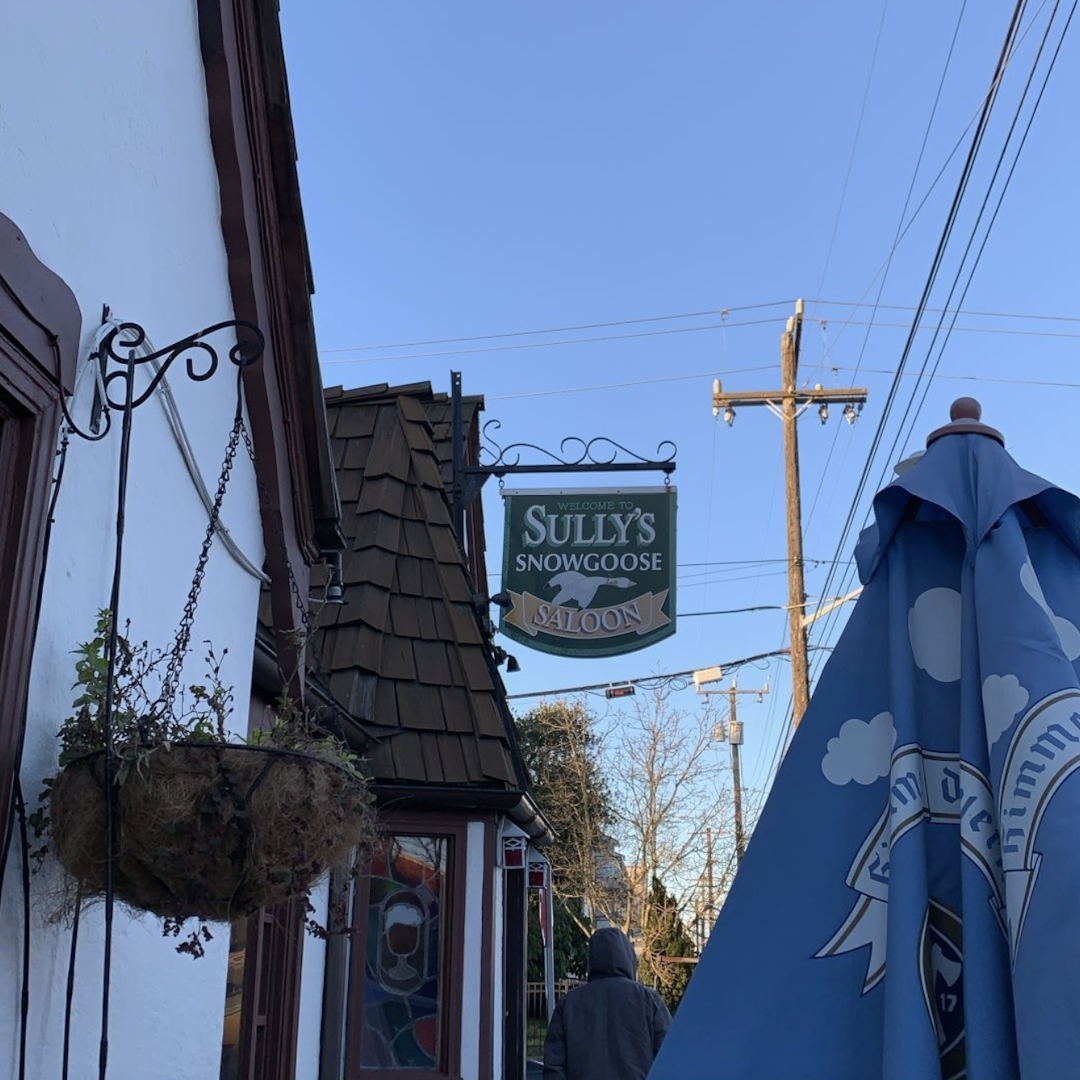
x=735 y=738
x=735 y=742
x=710 y=906
x=789 y=403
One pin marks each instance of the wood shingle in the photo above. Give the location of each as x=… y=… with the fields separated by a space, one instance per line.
x=407 y=647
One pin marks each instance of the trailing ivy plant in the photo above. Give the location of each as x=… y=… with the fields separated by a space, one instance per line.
x=141 y=727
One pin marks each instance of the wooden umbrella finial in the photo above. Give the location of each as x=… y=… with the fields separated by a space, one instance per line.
x=965 y=418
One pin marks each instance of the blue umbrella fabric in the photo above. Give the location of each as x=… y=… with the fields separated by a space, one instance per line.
x=909 y=906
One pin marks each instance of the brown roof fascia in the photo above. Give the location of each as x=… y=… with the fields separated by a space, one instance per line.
x=38 y=308
x=326 y=710
x=270 y=279
x=377 y=393
x=517 y=804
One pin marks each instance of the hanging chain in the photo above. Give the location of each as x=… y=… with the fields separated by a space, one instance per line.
x=171 y=683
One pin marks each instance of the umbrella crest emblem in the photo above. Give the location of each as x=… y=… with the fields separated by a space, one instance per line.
x=941 y=973
x=924 y=786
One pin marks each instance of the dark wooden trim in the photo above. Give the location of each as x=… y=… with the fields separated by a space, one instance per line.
x=475 y=539
x=456 y=830
x=401 y=798
x=37 y=310
x=274 y=947
x=487 y=953
x=515 y=960
x=270 y=280
x=336 y=978
x=271 y=1015
x=39 y=339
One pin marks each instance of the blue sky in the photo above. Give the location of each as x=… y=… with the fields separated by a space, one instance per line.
x=490 y=168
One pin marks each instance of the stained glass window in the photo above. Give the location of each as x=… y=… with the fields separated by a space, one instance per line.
x=402 y=984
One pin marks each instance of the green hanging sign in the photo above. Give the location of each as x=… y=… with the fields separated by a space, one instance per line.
x=589 y=573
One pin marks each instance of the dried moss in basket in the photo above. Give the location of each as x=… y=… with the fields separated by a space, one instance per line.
x=204 y=828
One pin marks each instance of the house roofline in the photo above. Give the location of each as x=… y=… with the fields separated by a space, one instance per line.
x=518 y=805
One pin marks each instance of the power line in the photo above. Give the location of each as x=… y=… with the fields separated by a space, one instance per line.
x=980 y=313
x=961 y=377
x=884 y=274
x=1001 y=195
x=546 y=344
x=722 y=312
x=931 y=279
x=632 y=382
x=975 y=227
x=970 y=377
x=952 y=153
x=990 y=100
x=1004 y=188
x=684 y=330
x=672 y=317
x=731 y=665
x=854 y=145
x=734 y=611
x=896 y=443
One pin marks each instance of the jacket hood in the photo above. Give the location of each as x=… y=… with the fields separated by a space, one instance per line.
x=611 y=954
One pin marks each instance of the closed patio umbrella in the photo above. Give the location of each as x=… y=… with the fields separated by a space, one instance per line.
x=909 y=905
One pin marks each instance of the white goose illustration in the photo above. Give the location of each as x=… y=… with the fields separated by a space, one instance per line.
x=582 y=589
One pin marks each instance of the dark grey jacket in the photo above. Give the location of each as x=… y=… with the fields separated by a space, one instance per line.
x=611 y=1028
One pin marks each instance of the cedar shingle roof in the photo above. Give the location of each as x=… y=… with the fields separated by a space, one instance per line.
x=405 y=652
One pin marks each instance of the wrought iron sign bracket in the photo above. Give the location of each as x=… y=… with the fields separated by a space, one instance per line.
x=576 y=455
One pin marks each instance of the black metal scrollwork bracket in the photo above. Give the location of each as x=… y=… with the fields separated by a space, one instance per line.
x=598 y=455
x=122 y=346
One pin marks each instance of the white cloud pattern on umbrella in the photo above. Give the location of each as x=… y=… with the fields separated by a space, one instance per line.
x=1066 y=631
x=861 y=752
x=1003 y=698
x=934 y=632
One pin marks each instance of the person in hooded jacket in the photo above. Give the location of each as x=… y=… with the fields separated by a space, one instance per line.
x=610 y=1028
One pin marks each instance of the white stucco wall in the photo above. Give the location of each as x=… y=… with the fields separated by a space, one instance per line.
x=106 y=165
x=497 y=1002
x=312 y=975
x=472 y=969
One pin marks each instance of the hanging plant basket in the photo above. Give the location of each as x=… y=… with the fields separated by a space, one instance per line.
x=209 y=831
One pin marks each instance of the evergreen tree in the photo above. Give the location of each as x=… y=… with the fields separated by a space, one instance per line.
x=562 y=752
x=571 y=941
x=664 y=935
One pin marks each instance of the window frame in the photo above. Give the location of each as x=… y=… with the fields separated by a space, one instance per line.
x=39 y=334
x=455 y=832
x=273 y=963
